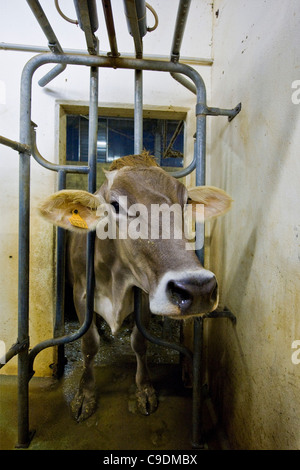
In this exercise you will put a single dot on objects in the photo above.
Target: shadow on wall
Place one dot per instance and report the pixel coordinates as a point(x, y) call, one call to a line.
point(227, 341)
point(252, 159)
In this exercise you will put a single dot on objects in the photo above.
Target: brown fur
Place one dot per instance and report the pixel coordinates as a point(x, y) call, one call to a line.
point(144, 159)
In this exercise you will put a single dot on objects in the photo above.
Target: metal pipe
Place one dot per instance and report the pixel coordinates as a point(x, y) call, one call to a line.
point(138, 112)
point(51, 75)
point(197, 415)
point(182, 14)
point(92, 159)
point(53, 42)
point(38, 12)
point(183, 81)
point(93, 130)
point(86, 11)
point(187, 170)
point(52, 166)
point(39, 49)
point(109, 20)
point(154, 339)
point(128, 63)
point(135, 11)
point(136, 23)
point(15, 145)
point(89, 312)
point(13, 351)
point(200, 156)
point(59, 324)
point(23, 261)
point(138, 147)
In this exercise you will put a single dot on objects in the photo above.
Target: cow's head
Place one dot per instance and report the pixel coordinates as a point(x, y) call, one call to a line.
point(131, 214)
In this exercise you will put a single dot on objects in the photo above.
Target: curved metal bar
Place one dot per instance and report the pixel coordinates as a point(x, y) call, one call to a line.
point(185, 171)
point(222, 314)
point(52, 166)
point(183, 81)
point(154, 339)
point(58, 69)
point(118, 62)
point(89, 311)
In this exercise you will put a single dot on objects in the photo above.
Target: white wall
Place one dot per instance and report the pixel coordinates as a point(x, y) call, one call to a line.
point(18, 25)
point(255, 248)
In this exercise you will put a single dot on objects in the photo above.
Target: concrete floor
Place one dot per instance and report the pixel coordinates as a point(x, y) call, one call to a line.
point(116, 424)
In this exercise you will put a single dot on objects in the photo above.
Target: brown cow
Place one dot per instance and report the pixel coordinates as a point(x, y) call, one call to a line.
point(167, 271)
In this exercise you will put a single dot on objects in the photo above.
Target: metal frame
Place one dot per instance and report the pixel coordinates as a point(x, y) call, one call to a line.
point(27, 147)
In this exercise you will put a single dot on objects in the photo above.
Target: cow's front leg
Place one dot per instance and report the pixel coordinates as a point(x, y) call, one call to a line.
point(146, 395)
point(84, 403)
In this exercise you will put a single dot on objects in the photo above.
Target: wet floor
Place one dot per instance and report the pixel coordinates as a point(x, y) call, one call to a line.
point(116, 424)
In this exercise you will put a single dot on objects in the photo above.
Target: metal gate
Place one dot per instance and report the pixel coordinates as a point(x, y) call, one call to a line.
point(27, 148)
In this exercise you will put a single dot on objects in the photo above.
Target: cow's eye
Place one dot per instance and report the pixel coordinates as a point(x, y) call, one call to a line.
point(116, 206)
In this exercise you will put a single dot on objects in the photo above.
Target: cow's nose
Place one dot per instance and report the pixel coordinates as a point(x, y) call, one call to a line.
point(194, 295)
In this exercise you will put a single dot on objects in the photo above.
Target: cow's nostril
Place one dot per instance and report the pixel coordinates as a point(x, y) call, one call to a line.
point(179, 295)
point(214, 293)
point(193, 295)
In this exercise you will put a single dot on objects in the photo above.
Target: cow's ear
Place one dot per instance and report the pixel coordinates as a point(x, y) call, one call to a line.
point(78, 211)
point(216, 201)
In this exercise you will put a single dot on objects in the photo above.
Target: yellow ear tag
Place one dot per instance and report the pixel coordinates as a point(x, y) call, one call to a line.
point(76, 220)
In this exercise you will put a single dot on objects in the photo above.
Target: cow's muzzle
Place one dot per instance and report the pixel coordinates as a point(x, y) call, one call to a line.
point(182, 294)
point(194, 295)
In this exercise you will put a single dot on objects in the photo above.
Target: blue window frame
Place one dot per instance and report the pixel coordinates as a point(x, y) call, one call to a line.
point(163, 138)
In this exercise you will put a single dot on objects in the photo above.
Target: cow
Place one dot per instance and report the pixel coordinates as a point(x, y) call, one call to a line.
point(172, 280)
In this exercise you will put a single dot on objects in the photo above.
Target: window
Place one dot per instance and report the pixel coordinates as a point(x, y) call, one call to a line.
point(163, 138)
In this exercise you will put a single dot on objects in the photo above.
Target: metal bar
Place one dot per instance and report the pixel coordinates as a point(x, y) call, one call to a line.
point(187, 170)
point(135, 23)
point(23, 269)
point(59, 325)
point(207, 111)
point(52, 166)
point(38, 12)
point(86, 11)
point(183, 81)
point(53, 42)
point(128, 63)
point(200, 157)
point(93, 123)
point(154, 339)
point(197, 426)
point(15, 145)
point(182, 14)
point(138, 147)
point(13, 351)
point(135, 11)
point(51, 75)
point(109, 20)
point(93, 130)
point(87, 14)
point(138, 112)
point(221, 314)
point(126, 55)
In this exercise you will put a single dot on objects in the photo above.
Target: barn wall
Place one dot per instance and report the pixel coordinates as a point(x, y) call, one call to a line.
point(18, 25)
point(254, 367)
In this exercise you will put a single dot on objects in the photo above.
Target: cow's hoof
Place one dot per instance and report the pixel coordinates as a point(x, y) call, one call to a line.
point(146, 400)
point(83, 407)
